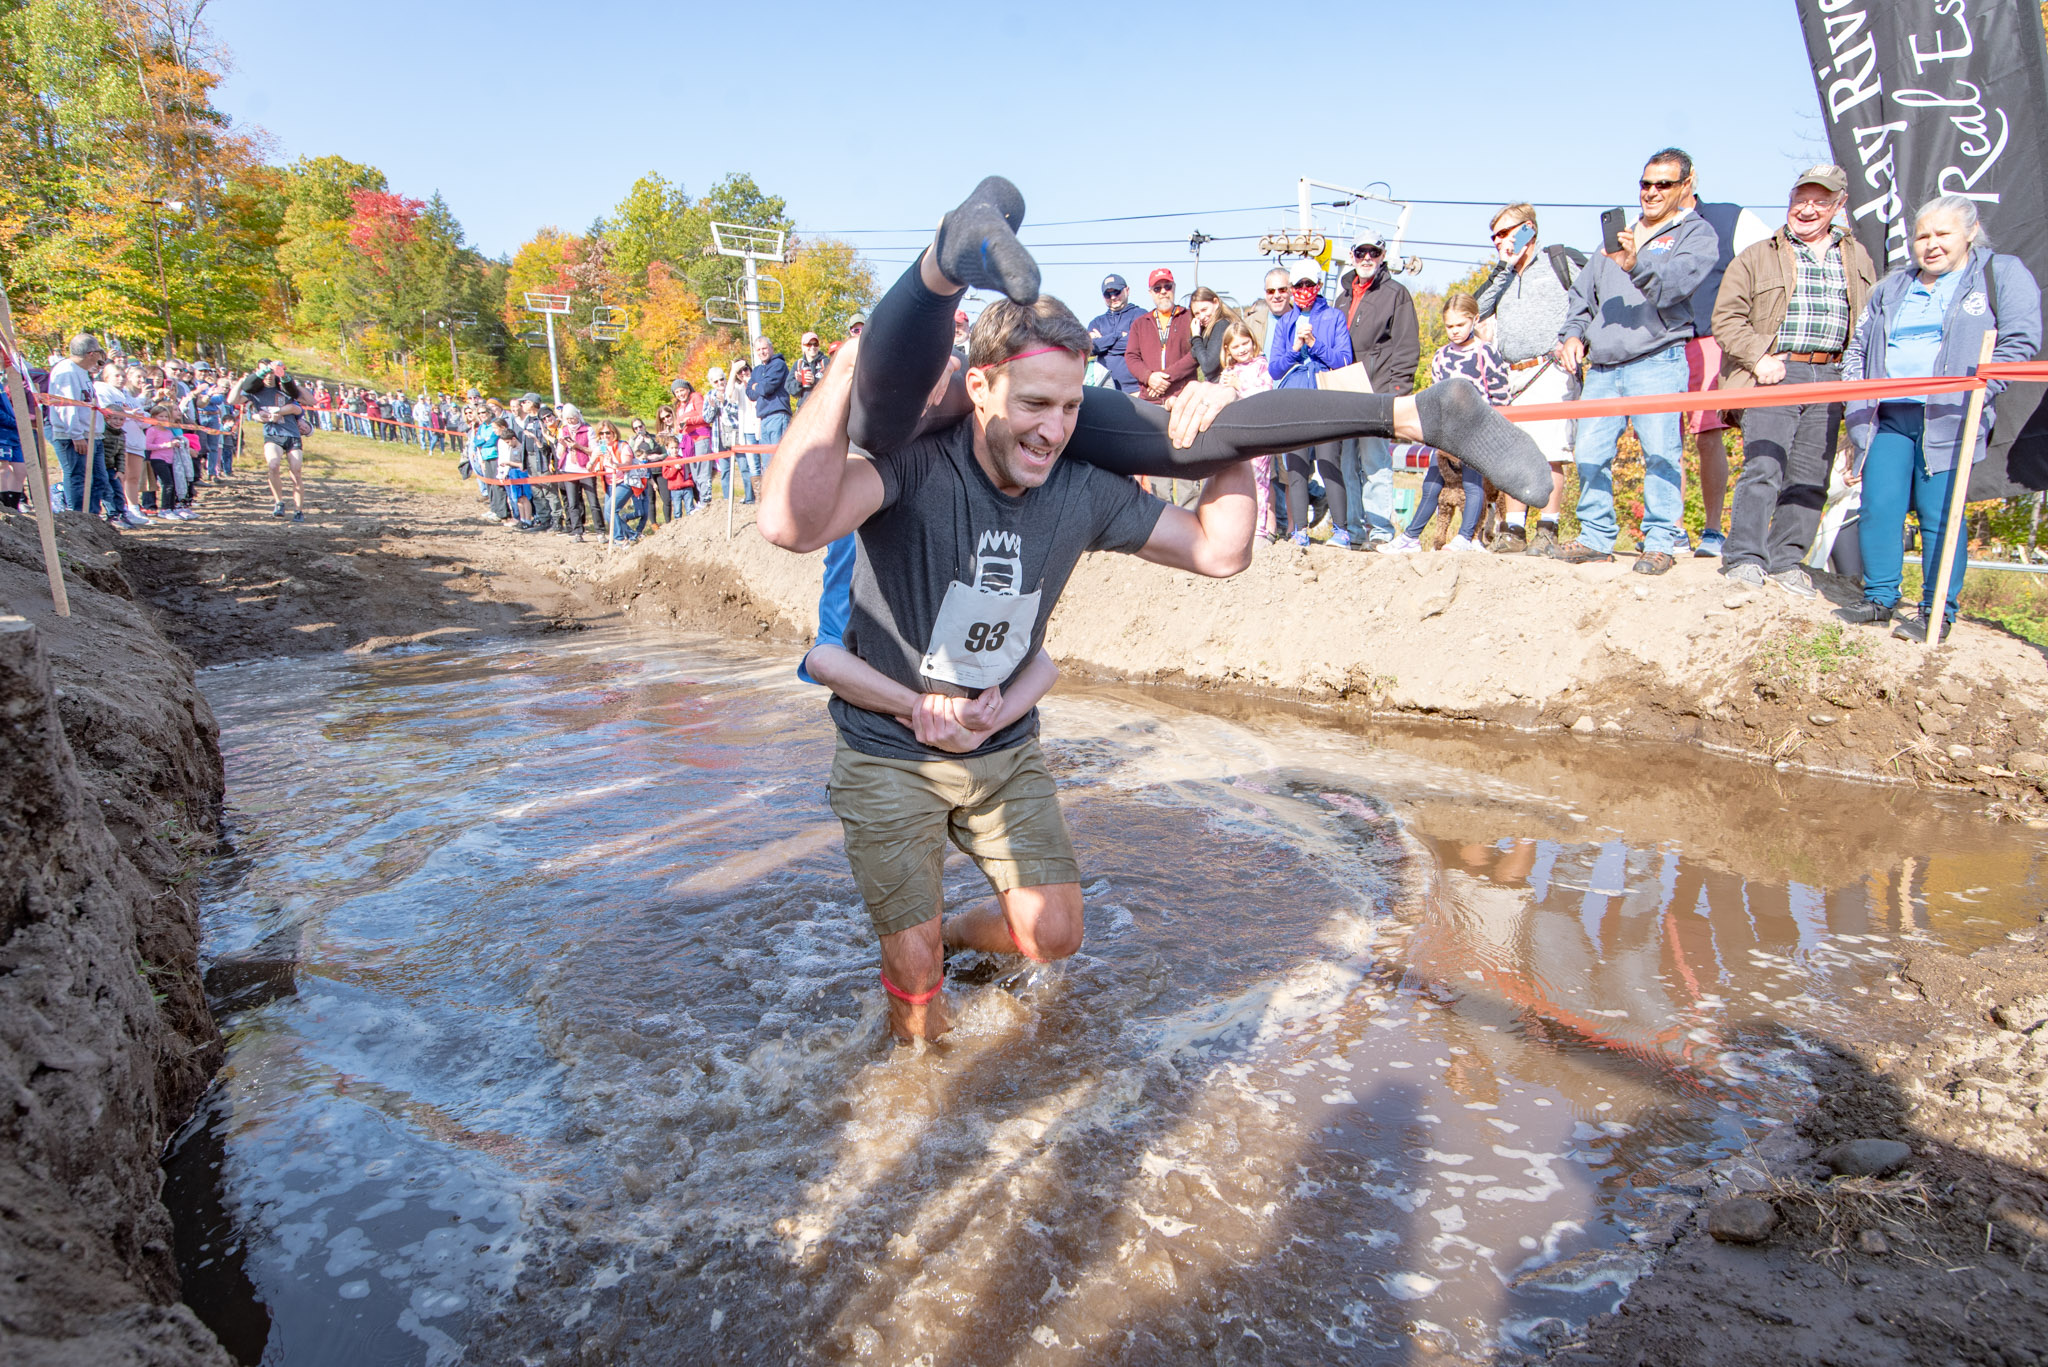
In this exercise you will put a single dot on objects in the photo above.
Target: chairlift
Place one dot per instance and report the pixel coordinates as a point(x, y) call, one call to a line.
point(765, 304)
point(723, 308)
point(537, 302)
point(535, 338)
point(743, 240)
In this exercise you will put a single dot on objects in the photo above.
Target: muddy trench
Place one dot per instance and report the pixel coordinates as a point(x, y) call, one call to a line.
point(550, 1031)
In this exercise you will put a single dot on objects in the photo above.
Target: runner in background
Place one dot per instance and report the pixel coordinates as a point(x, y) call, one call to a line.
point(274, 397)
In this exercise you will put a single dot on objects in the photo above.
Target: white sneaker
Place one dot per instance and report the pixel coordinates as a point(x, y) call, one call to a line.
point(132, 517)
point(1400, 545)
point(1464, 543)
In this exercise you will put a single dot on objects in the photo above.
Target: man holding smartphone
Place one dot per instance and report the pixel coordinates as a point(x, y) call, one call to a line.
point(1631, 315)
point(1527, 297)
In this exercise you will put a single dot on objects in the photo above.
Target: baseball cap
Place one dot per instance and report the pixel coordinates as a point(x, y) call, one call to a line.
point(85, 344)
point(1160, 276)
point(1113, 284)
point(1306, 269)
point(811, 337)
point(529, 397)
point(959, 318)
point(1368, 239)
point(1833, 179)
point(859, 320)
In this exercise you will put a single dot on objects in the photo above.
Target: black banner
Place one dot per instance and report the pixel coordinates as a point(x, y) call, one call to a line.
point(1932, 97)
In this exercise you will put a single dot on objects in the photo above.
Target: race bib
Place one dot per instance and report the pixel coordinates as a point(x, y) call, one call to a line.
point(980, 636)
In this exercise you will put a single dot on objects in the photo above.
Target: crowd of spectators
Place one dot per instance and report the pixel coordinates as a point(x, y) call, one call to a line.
point(1690, 295)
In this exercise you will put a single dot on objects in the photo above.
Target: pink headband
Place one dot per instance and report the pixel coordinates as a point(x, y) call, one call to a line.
point(1035, 351)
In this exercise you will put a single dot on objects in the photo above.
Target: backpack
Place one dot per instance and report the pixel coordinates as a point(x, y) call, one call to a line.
point(1566, 262)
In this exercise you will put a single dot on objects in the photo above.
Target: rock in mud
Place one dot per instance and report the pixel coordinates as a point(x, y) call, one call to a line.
point(2027, 762)
point(1742, 1220)
point(1870, 1242)
point(1584, 726)
point(1867, 1157)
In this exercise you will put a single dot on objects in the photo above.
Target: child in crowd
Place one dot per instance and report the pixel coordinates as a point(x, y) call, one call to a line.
point(510, 455)
point(1463, 357)
point(160, 442)
point(676, 471)
point(1245, 371)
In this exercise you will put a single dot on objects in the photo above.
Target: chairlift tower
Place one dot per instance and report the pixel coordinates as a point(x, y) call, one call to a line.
point(548, 306)
point(1356, 212)
point(752, 246)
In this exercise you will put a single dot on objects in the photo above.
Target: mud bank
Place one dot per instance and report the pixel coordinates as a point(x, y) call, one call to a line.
point(110, 787)
point(1531, 644)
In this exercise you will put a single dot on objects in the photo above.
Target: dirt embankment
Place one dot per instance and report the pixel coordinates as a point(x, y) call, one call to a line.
point(110, 789)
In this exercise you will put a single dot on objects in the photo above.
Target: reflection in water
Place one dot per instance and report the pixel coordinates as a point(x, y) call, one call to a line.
point(557, 1029)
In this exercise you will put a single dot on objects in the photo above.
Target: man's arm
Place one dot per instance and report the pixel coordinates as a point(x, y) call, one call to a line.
point(815, 491)
point(1215, 538)
point(1674, 275)
point(1740, 342)
point(1407, 330)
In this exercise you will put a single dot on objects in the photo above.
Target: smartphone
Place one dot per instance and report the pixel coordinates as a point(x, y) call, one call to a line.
point(1611, 225)
point(1524, 235)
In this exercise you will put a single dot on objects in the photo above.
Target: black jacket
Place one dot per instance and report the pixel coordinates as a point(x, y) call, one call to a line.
point(1208, 349)
point(1384, 332)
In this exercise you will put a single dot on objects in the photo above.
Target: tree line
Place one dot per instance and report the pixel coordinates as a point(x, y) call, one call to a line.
point(131, 206)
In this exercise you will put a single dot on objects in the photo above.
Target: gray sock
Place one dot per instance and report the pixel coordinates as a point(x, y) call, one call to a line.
point(1457, 419)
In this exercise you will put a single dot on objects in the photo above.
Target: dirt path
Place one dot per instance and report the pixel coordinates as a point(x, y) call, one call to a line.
point(1945, 1261)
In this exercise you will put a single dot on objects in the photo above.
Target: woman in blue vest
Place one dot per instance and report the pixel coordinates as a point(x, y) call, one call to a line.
point(1925, 319)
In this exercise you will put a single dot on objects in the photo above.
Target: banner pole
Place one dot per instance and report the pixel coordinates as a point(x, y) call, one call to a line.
point(731, 470)
point(1958, 499)
point(28, 425)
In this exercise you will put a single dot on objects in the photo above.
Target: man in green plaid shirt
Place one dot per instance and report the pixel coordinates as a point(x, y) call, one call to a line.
point(1786, 309)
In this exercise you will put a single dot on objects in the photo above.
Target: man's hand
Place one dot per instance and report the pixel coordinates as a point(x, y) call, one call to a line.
point(1845, 465)
point(1771, 369)
point(1570, 353)
point(1190, 412)
point(1626, 257)
point(937, 723)
point(1155, 384)
point(82, 445)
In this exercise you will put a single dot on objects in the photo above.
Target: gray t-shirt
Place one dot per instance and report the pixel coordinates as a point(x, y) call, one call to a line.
point(1528, 308)
point(943, 522)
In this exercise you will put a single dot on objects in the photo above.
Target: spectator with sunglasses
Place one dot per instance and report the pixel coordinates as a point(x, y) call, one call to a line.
point(1111, 332)
point(1387, 339)
point(1305, 341)
point(1631, 316)
point(1527, 299)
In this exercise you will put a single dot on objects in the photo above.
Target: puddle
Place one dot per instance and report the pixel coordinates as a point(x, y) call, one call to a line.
point(555, 1027)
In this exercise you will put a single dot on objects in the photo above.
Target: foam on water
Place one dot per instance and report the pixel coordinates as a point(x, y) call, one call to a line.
point(1367, 1044)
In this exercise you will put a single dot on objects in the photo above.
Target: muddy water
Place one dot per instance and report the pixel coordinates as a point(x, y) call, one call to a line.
point(555, 1033)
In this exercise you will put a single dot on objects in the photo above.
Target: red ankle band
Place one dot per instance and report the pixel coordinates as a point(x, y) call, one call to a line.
point(1011, 931)
point(914, 998)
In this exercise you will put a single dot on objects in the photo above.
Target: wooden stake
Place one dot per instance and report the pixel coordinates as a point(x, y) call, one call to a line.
point(731, 473)
point(28, 423)
point(1958, 498)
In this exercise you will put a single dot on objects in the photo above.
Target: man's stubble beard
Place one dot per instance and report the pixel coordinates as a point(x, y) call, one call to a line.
point(1002, 444)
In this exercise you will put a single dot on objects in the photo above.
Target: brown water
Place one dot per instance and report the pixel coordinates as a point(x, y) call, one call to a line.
point(557, 1038)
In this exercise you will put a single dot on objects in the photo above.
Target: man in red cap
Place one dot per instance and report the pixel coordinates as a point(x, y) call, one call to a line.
point(1161, 350)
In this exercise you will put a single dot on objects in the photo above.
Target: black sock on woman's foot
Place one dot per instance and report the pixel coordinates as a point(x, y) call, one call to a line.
point(977, 243)
point(1456, 418)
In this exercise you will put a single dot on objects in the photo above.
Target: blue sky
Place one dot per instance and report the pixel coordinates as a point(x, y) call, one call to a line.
point(881, 116)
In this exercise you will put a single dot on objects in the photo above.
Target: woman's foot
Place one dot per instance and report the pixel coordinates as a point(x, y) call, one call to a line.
point(977, 243)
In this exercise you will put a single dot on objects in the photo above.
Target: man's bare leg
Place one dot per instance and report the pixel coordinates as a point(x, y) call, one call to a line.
point(298, 481)
point(914, 961)
point(273, 457)
point(1042, 923)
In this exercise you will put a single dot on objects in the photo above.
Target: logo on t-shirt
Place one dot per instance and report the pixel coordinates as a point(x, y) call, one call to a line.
point(999, 562)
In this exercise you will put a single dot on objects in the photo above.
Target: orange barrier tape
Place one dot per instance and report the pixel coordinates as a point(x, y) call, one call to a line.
point(1776, 395)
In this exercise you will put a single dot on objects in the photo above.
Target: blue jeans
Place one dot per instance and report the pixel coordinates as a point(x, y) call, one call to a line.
point(623, 498)
point(773, 427)
point(682, 502)
point(1368, 465)
point(1895, 477)
point(1474, 485)
point(1661, 372)
point(77, 470)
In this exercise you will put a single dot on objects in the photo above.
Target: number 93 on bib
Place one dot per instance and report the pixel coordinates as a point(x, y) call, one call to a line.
point(980, 637)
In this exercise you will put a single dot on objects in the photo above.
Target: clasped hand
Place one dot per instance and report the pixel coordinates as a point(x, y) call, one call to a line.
point(957, 725)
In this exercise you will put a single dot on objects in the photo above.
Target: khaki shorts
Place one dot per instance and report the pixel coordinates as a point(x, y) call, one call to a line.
point(1000, 809)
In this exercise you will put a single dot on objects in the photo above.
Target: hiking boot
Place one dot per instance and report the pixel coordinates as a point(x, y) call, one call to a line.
point(1654, 562)
point(1915, 628)
point(1796, 582)
point(1544, 543)
point(1877, 614)
point(1508, 541)
point(1579, 553)
point(1748, 573)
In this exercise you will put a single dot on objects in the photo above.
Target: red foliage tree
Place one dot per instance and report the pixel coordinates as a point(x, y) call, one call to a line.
point(382, 223)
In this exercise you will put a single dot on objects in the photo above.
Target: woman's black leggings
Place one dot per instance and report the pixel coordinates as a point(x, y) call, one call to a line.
point(910, 334)
point(1298, 464)
point(577, 492)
